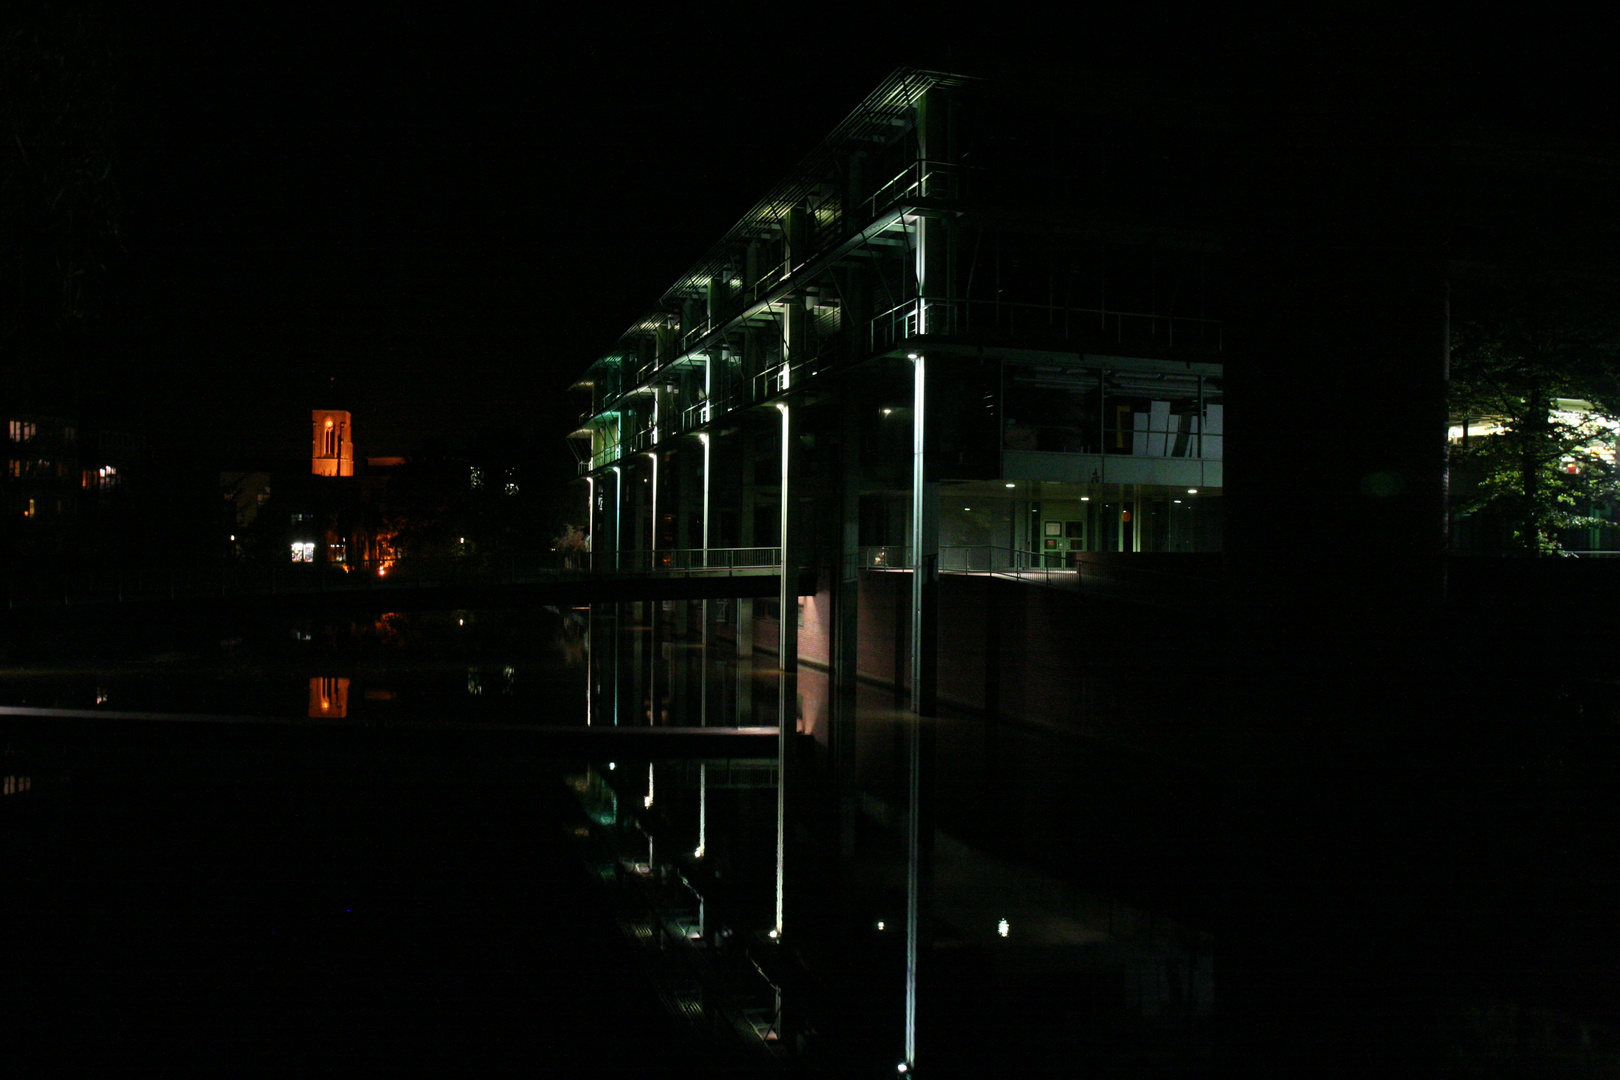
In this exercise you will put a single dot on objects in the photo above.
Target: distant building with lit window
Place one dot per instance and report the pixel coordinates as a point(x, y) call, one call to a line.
point(327, 515)
point(65, 491)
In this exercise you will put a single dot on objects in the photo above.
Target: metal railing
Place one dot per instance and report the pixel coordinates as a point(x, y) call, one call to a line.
point(1037, 322)
point(688, 560)
point(920, 179)
point(1065, 569)
point(209, 582)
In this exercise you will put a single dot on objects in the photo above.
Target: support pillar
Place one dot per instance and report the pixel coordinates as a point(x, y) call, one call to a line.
point(745, 605)
point(787, 645)
point(705, 619)
point(924, 615)
point(845, 658)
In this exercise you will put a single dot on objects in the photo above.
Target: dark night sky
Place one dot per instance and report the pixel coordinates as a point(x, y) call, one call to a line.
point(451, 218)
point(453, 214)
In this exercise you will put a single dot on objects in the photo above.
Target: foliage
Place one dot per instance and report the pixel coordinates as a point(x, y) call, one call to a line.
point(503, 495)
point(59, 206)
point(427, 504)
point(571, 540)
point(1536, 365)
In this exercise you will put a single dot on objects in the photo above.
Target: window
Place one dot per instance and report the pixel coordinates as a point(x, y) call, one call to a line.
point(303, 551)
point(22, 430)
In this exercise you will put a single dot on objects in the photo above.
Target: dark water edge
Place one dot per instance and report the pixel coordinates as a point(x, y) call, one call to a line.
point(400, 917)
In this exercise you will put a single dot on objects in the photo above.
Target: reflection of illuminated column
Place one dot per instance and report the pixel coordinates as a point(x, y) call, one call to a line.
point(639, 675)
point(703, 810)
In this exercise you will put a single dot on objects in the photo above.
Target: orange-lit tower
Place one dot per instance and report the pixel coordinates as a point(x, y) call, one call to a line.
point(332, 446)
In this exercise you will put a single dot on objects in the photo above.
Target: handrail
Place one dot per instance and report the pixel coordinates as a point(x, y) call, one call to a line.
point(204, 582)
point(959, 315)
point(1067, 569)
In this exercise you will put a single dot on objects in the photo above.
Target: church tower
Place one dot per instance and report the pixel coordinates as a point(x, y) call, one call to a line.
point(332, 447)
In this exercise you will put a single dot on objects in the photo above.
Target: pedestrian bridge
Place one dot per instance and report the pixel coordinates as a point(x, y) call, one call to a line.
point(116, 734)
point(408, 584)
point(580, 578)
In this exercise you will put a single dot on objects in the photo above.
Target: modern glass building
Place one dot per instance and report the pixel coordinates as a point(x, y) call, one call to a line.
point(979, 329)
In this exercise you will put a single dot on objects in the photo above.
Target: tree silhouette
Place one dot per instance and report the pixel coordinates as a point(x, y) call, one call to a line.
point(1536, 394)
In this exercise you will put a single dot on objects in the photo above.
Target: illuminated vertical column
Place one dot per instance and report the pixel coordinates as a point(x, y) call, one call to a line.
point(846, 619)
point(924, 551)
point(618, 609)
point(705, 631)
point(706, 416)
point(796, 236)
point(652, 544)
point(787, 654)
point(924, 601)
point(590, 520)
point(794, 319)
point(618, 513)
point(746, 537)
point(703, 810)
point(931, 262)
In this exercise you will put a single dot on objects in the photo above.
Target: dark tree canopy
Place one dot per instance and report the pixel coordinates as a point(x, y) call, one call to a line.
point(1536, 391)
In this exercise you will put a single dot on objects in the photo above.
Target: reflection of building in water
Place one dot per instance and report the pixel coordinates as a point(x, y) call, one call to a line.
point(329, 697)
point(952, 340)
